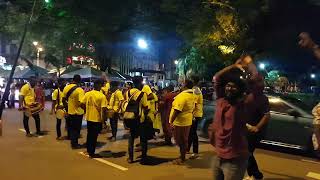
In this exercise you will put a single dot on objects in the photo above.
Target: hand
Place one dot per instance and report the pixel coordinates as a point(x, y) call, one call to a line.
point(20, 108)
point(253, 129)
point(306, 41)
point(171, 125)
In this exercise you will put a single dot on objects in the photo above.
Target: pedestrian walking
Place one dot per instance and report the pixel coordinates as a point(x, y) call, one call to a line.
point(29, 106)
point(135, 110)
point(197, 116)
point(257, 123)
point(95, 104)
point(181, 116)
point(58, 108)
point(228, 134)
point(114, 108)
point(72, 94)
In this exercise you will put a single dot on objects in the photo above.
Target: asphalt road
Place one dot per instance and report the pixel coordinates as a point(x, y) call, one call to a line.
point(45, 158)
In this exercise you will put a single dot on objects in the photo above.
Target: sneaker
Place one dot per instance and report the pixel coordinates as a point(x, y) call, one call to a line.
point(29, 135)
point(194, 156)
point(248, 178)
point(129, 160)
point(59, 138)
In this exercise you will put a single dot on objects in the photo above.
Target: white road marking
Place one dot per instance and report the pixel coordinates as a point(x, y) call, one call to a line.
point(22, 130)
point(313, 175)
point(107, 162)
point(310, 161)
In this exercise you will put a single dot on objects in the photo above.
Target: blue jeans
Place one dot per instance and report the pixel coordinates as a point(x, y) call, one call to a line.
point(229, 169)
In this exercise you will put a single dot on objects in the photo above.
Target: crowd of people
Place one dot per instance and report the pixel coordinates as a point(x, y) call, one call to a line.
point(240, 119)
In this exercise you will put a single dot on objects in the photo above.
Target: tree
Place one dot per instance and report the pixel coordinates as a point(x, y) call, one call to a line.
point(49, 58)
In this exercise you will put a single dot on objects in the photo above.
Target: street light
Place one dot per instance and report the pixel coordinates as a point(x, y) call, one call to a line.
point(39, 49)
point(142, 44)
point(35, 43)
point(313, 76)
point(262, 66)
point(176, 62)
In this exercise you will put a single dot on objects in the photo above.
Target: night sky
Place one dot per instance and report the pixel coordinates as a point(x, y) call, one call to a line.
point(277, 34)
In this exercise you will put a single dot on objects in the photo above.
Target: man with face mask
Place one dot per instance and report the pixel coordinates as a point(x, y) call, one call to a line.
point(229, 124)
point(27, 101)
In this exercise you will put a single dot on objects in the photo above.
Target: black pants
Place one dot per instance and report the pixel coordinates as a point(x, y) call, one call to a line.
point(68, 126)
point(92, 136)
point(136, 129)
point(253, 169)
point(114, 124)
point(74, 127)
point(193, 137)
point(36, 118)
point(58, 127)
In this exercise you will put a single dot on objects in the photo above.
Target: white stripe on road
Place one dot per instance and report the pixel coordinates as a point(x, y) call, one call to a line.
point(310, 161)
point(313, 175)
point(107, 162)
point(22, 130)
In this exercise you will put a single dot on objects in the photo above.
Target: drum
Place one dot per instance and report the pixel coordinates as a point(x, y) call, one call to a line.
point(34, 108)
point(60, 113)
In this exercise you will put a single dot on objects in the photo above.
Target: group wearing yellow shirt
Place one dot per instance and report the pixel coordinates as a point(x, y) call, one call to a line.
point(114, 105)
point(26, 101)
point(181, 116)
point(95, 103)
point(74, 110)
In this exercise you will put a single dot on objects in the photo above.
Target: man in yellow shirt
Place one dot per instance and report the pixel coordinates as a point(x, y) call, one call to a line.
point(57, 106)
point(95, 103)
point(72, 94)
point(114, 104)
point(197, 114)
point(137, 126)
point(27, 99)
point(181, 116)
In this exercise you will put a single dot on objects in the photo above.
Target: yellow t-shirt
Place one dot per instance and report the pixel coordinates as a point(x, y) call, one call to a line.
point(185, 103)
point(146, 89)
point(198, 110)
point(143, 101)
point(28, 94)
point(94, 101)
point(55, 96)
point(115, 100)
point(105, 89)
point(74, 100)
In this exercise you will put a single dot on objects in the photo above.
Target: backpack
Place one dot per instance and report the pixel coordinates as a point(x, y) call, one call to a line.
point(130, 107)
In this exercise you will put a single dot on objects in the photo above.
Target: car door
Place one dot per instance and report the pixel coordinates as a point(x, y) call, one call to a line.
point(286, 128)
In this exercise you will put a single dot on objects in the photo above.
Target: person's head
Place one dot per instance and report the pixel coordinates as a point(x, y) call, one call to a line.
point(114, 85)
point(234, 89)
point(137, 82)
point(76, 78)
point(195, 80)
point(188, 84)
point(98, 84)
point(32, 81)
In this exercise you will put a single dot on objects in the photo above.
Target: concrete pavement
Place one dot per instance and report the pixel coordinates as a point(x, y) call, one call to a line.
point(46, 158)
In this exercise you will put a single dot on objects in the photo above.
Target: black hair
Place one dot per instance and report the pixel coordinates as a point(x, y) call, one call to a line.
point(137, 81)
point(77, 78)
point(170, 88)
point(188, 84)
point(195, 79)
point(240, 83)
point(114, 83)
point(98, 84)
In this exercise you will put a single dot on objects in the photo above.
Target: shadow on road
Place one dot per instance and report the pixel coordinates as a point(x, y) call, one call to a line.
point(278, 174)
point(153, 161)
point(110, 154)
point(203, 162)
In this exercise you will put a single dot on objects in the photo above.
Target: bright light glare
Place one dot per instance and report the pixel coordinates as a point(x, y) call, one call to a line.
point(274, 100)
point(176, 62)
point(313, 76)
point(226, 49)
point(262, 66)
point(47, 1)
point(40, 49)
point(35, 43)
point(142, 44)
